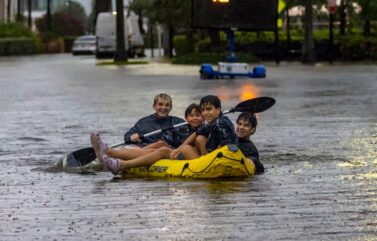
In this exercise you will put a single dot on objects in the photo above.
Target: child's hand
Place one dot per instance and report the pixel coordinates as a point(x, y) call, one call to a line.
point(174, 154)
point(135, 137)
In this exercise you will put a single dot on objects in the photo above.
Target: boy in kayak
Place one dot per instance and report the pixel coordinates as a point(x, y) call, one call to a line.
point(162, 105)
point(246, 125)
point(135, 157)
point(217, 132)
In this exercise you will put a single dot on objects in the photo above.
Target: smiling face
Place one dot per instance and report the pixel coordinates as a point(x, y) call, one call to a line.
point(162, 107)
point(210, 112)
point(244, 129)
point(194, 118)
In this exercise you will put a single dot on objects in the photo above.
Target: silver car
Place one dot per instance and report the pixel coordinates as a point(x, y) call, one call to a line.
point(85, 44)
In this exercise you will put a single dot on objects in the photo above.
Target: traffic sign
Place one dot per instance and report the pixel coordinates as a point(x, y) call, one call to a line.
point(331, 6)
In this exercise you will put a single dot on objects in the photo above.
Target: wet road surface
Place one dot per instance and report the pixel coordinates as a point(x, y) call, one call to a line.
point(318, 144)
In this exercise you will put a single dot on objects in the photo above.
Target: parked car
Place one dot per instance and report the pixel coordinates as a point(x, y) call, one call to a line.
point(85, 44)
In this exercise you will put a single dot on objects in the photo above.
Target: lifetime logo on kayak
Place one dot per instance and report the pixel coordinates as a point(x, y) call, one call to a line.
point(159, 169)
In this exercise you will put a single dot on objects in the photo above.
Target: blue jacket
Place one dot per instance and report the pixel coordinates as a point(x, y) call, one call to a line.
point(220, 132)
point(152, 123)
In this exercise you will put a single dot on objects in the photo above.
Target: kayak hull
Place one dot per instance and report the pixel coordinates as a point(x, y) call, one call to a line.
point(227, 161)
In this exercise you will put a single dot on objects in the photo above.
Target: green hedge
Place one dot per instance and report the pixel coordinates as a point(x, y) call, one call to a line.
point(68, 43)
point(17, 39)
point(14, 30)
point(212, 58)
point(183, 45)
point(358, 48)
point(16, 46)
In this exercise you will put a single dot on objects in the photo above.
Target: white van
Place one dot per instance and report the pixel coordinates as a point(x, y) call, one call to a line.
point(106, 35)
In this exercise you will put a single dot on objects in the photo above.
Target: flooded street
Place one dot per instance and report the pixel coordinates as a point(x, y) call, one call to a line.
point(318, 144)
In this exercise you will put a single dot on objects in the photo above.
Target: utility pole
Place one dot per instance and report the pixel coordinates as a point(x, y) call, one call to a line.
point(120, 53)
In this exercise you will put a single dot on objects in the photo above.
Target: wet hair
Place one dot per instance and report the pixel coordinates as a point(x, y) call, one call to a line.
point(162, 96)
point(210, 99)
point(192, 107)
point(249, 118)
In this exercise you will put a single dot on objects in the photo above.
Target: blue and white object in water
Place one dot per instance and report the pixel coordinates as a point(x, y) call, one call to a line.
point(231, 70)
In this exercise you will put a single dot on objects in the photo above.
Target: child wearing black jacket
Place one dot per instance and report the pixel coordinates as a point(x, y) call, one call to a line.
point(245, 127)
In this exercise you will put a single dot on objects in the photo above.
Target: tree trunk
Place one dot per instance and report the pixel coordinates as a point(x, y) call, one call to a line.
point(309, 51)
point(49, 15)
point(288, 28)
point(29, 19)
point(120, 53)
point(19, 18)
point(140, 21)
point(9, 11)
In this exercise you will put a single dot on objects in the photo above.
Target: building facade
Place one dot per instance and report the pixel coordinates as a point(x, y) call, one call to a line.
point(8, 11)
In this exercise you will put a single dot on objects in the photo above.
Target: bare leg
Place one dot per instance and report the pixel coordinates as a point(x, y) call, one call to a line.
point(156, 145)
point(147, 159)
point(189, 152)
point(128, 153)
point(200, 143)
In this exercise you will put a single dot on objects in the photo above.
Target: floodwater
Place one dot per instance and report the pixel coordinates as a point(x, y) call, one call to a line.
point(318, 144)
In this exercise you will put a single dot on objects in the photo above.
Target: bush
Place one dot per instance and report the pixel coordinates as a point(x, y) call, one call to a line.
point(62, 24)
point(68, 43)
point(182, 45)
point(357, 48)
point(55, 45)
point(17, 39)
point(14, 30)
point(212, 58)
point(16, 46)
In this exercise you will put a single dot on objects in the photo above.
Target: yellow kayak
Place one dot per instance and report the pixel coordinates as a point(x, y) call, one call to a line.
point(227, 161)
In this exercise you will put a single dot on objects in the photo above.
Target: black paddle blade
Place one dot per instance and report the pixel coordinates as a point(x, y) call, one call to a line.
point(255, 105)
point(81, 157)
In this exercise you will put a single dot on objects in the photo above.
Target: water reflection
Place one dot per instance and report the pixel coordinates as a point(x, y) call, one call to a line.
point(249, 91)
point(244, 92)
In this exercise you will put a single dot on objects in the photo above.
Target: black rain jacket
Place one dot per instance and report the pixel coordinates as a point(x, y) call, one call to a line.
point(250, 151)
point(152, 123)
point(220, 132)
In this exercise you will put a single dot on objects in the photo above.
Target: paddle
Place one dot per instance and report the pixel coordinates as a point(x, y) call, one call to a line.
point(86, 155)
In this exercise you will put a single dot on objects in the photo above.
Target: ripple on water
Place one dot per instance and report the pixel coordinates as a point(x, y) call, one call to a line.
point(29, 138)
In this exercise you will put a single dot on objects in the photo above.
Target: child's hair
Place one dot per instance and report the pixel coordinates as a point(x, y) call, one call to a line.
point(192, 107)
point(212, 100)
point(249, 118)
point(162, 96)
